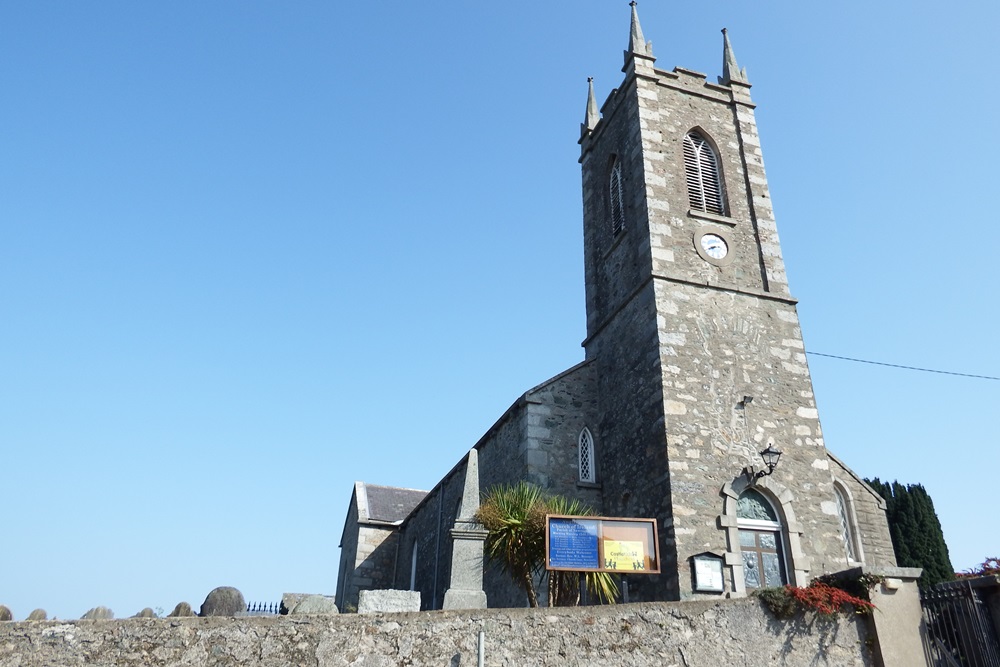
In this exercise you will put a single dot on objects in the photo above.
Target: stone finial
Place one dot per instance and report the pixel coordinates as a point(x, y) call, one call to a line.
point(98, 614)
point(5, 614)
point(730, 69)
point(593, 115)
point(38, 615)
point(636, 42)
point(146, 613)
point(223, 601)
point(182, 609)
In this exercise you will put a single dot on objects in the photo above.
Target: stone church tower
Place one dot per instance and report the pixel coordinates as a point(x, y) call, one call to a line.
point(694, 364)
point(695, 337)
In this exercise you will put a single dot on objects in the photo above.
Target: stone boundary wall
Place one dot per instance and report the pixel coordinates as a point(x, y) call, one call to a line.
point(735, 633)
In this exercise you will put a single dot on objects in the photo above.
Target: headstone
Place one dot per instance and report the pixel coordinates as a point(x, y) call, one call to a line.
point(38, 615)
point(98, 614)
point(223, 601)
point(375, 602)
point(146, 613)
point(289, 600)
point(5, 614)
point(182, 609)
point(316, 604)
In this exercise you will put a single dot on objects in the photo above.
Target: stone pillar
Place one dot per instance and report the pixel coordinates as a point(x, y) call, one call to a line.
point(466, 588)
point(897, 622)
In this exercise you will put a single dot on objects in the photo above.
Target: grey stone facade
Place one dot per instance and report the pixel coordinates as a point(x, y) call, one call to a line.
point(694, 362)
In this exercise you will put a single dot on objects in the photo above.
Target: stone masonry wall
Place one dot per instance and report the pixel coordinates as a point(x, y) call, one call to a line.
point(429, 526)
point(558, 410)
point(736, 633)
point(869, 518)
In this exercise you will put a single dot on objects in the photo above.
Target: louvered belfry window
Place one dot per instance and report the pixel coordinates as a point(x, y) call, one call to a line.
point(617, 197)
point(701, 166)
point(587, 473)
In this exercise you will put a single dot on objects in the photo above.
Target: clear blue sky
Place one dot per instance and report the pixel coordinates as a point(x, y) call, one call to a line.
point(251, 252)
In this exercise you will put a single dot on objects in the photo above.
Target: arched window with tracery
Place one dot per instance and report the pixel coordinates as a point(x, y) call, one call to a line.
point(847, 533)
point(760, 541)
point(704, 179)
point(588, 472)
point(616, 197)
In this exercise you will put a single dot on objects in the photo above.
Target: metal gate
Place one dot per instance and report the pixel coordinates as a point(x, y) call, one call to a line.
point(960, 630)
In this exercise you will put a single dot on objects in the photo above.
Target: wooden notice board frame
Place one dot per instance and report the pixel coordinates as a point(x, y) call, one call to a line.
point(620, 545)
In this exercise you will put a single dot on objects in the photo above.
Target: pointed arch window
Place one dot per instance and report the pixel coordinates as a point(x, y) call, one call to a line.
point(760, 541)
point(413, 567)
point(847, 533)
point(616, 197)
point(588, 472)
point(704, 181)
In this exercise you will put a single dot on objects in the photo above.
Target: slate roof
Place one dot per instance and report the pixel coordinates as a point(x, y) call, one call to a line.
point(390, 503)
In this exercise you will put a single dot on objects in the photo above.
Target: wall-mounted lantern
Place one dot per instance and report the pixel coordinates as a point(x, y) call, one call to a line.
point(771, 457)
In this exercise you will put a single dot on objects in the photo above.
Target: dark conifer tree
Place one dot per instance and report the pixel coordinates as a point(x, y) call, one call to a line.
point(916, 531)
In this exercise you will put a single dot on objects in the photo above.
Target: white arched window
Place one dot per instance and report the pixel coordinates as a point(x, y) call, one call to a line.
point(616, 197)
point(847, 533)
point(586, 454)
point(704, 182)
point(760, 541)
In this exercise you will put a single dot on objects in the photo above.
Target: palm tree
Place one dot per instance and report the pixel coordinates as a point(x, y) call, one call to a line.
point(516, 540)
point(514, 517)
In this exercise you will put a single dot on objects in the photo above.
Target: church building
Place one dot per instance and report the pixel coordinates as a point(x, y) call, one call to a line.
point(694, 363)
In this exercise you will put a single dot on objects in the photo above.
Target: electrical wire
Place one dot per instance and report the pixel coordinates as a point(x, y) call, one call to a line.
point(909, 368)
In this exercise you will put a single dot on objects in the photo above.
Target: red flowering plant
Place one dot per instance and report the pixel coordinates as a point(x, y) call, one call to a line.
point(819, 596)
point(990, 566)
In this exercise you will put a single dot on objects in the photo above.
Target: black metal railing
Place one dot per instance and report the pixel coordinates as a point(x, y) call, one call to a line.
point(263, 608)
point(960, 630)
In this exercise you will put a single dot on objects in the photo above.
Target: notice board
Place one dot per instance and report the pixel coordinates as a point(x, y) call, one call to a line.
point(601, 544)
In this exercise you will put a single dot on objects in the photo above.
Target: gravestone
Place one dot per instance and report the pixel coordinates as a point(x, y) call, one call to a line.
point(376, 602)
point(182, 609)
point(316, 604)
point(98, 614)
point(38, 615)
point(223, 601)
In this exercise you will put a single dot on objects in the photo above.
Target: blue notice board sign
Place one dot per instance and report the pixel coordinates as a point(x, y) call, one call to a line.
point(573, 543)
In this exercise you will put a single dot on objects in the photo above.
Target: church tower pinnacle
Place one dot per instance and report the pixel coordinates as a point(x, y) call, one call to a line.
point(592, 117)
point(730, 69)
point(637, 44)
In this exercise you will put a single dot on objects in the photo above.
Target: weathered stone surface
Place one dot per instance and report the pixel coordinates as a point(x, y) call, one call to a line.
point(98, 614)
point(38, 615)
point(374, 602)
point(316, 604)
point(146, 613)
point(223, 601)
point(182, 609)
point(740, 633)
point(5, 614)
point(289, 600)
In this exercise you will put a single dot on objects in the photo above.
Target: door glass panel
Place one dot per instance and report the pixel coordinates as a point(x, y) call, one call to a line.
point(772, 570)
point(747, 539)
point(767, 541)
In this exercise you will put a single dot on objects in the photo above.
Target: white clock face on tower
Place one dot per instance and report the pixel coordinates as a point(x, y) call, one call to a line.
point(714, 246)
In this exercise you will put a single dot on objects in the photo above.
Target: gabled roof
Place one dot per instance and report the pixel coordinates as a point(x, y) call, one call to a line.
point(390, 504)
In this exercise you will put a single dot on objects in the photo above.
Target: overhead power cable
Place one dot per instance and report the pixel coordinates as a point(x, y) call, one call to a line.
point(909, 368)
